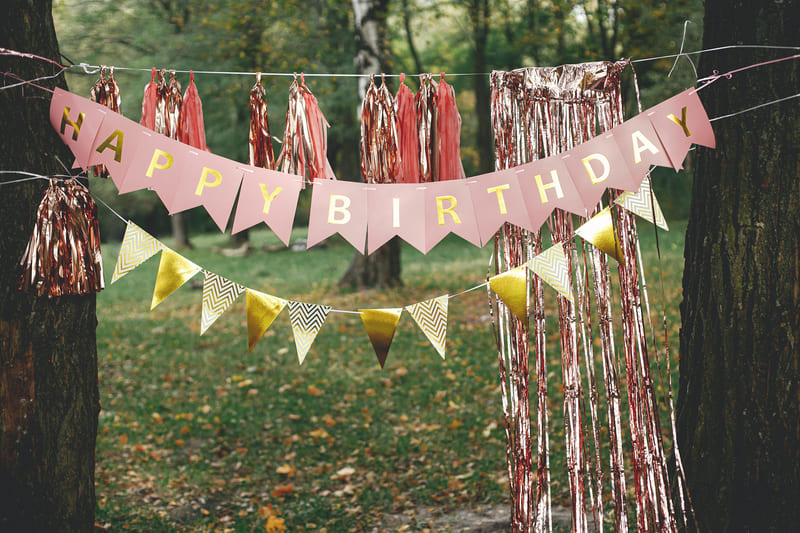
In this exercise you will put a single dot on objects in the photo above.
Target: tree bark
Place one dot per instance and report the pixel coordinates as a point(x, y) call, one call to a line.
point(739, 402)
point(479, 17)
point(48, 354)
point(383, 267)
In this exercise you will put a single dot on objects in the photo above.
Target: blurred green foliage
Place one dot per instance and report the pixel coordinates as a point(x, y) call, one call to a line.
point(317, 37)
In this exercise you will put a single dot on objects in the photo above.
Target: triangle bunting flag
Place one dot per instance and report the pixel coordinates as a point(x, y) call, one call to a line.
point(307, 319)
point(218, 294)
point(599, 230)
point(381, 325)
point(639, 204)
point(173, 271)
point(512, 287)
point(431, 317)
point(137, 247)
point(262, 310)
point(551, 265)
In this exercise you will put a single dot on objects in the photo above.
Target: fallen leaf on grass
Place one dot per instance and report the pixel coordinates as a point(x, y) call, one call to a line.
point(286, 470)
point(282, 490)
point(314, 391)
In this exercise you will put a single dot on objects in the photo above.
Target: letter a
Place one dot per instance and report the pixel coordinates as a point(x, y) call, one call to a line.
point(114, 142)
point(640, 144)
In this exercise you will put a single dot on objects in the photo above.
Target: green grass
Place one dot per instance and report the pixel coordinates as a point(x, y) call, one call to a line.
point(197, 433)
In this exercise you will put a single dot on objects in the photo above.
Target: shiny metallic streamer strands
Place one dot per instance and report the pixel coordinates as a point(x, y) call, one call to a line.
point(261, 154)
point(63, 254)
point(426, 122)
point(380, 151)
point(105, 92)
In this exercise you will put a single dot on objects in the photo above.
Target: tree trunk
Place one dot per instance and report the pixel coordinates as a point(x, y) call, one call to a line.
point(48, 353)
point(180, 232)
point(479, 15)
point(739, 401)
point(381, 268)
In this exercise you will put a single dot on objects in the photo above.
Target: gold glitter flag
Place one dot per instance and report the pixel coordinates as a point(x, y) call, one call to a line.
point(599, 230)
point(262, 310)
point(173, 271)
point(512, 287)
point(381, 325)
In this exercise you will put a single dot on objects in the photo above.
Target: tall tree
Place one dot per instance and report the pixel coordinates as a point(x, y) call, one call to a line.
point(739, 403)
point(479, 11)
point(381, 268)
point(48, 353)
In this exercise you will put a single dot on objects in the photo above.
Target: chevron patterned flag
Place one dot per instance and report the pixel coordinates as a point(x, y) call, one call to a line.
point(307, 319)
point(551, 265)
point(638, 203)
point(173, 271)
point(218, 294)
point(431, 317)
point(137, 247)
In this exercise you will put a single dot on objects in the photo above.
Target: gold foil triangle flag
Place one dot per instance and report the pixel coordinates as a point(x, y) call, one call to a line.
point(639, 203)
point(512, 287)
point(431, 317)
point(307, 319)
point(551, 265)
point(137, 247)
point(599, 230)
point(218, 294)
point(173, 271)
point(381, 325)
point(262, 310)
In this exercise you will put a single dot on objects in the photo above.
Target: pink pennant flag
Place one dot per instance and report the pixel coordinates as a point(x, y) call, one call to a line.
point(546, 185)
point(158, 165)
point(640, 147)
point(679, 122)
point(496, 199)
point(395, 209)
point(595, 165)
point(76, 120)
point(211, 181)
point(448, 208)
point(270, 197)
point(115, 145)
point(338, 207)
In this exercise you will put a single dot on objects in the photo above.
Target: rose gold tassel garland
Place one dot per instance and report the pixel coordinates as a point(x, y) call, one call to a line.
point(105, 92)
point(448, 134)
point(193, 131)
point(380, 160)
point(261, 154)
point(407, 134)
point(63, 254)
point(425, 101)
point(305, 140)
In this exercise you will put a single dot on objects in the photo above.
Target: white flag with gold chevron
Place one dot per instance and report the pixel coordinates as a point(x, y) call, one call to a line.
point(551, 265)
point(307, 319)
point(218, 294)
point(431, 317)
point(639, 204)
point(137, 247)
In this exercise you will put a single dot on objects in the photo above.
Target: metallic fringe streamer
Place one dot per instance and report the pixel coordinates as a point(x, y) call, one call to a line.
point(380, 153)
point(105, 92)
point(305, 140)
point(261, 154)
point(63, 254)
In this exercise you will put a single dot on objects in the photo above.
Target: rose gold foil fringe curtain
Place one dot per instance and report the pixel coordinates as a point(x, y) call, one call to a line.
point(536, 113)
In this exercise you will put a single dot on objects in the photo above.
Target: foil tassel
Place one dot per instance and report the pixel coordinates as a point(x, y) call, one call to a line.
point(150, 102)
point(193, 131)
point(407, 133)
point(261, 154)
point(63, 254)
point(448, 134)
point(380, 162)
point(425, 101)
point(173, 108)
point(105, 92)
point(305, 139)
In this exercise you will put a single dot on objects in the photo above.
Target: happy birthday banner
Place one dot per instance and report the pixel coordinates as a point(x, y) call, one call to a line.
point(369, 215)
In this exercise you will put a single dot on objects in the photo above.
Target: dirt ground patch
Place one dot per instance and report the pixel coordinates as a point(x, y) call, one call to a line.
point(488, 519)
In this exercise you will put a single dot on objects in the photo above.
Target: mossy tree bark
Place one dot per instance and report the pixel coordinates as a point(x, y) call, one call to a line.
point(739, 400)
point(48, 353)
